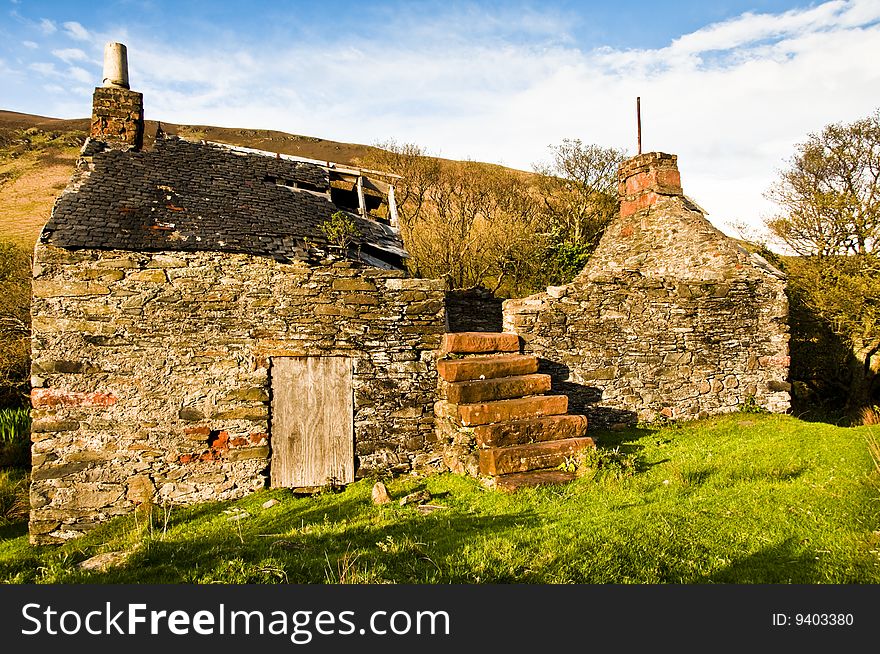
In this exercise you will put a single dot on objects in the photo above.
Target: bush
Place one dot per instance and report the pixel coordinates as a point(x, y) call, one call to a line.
point(14, 504)
point(750, 405)
point(340, 230)
point(565, 259)
point(15, 430)
point(603, 464)
point(15, 306)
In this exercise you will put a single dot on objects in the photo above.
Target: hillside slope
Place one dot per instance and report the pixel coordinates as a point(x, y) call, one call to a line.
point(38, 154)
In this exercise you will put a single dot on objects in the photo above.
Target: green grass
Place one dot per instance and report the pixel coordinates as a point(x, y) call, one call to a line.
point(15, 425)
point(15, 438)
point(739, 499)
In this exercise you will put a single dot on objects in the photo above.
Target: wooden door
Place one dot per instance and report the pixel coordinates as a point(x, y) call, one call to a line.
point(312, 428)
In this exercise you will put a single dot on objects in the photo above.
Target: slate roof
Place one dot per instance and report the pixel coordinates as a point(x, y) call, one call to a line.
point(186, 196)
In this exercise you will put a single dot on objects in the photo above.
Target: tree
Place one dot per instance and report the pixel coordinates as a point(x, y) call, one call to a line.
point(468, 222)
point(579, 192)
point(419, 173)
point(511, 231)
point(830, 201)
point(830, 192)
point(15, 303)
point(840, 294)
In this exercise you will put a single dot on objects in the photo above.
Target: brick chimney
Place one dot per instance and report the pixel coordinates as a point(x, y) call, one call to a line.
point(645, 179)
point(117, 111)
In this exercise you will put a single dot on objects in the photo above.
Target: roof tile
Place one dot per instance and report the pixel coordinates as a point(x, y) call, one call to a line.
point(185, 196)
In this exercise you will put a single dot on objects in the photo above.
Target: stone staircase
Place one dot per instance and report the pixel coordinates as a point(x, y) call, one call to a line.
point(496, 418)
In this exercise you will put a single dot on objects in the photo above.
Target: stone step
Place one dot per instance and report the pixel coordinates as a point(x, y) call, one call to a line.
point(522, 408)
point(502, 388)
point(534, 430)
point(480, 342)
point(454, 370)
point(535, 456)
point(515, 480)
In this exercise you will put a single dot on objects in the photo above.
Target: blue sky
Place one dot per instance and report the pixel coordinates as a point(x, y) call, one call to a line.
point(728, 86)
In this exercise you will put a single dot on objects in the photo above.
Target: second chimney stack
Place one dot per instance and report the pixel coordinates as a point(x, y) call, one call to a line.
point(644, 179)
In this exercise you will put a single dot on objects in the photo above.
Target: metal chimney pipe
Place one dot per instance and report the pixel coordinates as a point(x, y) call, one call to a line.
point(115, 66)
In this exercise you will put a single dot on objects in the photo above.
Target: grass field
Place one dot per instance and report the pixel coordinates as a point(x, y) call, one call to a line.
point(740, 499)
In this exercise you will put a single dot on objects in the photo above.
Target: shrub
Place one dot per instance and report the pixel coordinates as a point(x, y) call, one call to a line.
point(340, 230)
point(14, 504)
point(15, 301)
point(870, 415)
point(15, 427)
point(750, 405)
point(603, 464)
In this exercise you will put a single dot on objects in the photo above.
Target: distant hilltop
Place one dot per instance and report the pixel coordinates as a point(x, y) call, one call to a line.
point(262, 139)
point(38, 155)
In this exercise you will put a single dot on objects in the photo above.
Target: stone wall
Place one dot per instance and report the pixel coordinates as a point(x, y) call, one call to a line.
point(630, 349)
point(151, 373)
point(473, 310)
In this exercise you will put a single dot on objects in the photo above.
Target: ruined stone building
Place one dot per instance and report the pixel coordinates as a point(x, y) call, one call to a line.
point(669, 319)
point(184, 293)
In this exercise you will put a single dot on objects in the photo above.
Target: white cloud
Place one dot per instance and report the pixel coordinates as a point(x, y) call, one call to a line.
point(44, 68)
point(30, 45)
point(9, 77)
point(750, 28)
point(47, 26)
point(80, 74)
point(69, 55)
point(76, 31)
point(731, 99)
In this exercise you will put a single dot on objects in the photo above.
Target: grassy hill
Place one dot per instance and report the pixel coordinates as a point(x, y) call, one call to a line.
point(38, 154)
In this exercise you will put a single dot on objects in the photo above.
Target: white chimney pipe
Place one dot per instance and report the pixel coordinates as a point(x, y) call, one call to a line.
point(115, 66)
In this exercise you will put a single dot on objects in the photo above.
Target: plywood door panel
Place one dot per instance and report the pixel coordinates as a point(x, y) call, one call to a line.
point(312, 430)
